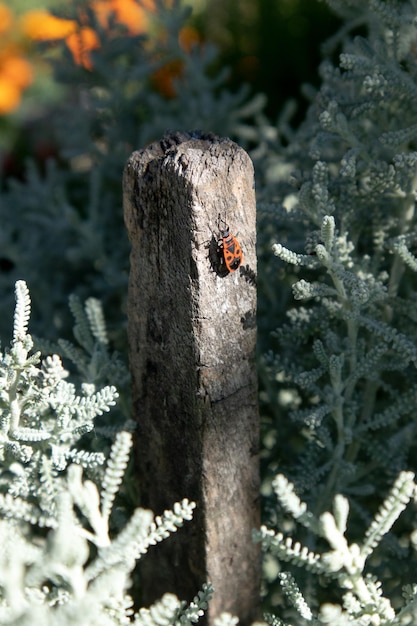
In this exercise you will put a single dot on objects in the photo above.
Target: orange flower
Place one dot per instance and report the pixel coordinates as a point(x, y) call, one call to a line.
point(39, 25)
point(9, 96)
point(131, 15)
point(42, 26)
point(15, 74)
point(126, 12)
point(17, 71)
point(163, 78)
point(188, 37)
point(81, 43)
point(6, 19)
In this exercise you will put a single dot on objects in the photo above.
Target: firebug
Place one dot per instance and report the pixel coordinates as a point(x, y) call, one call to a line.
point(231, 249)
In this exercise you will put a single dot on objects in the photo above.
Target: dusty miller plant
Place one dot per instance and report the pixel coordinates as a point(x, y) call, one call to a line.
point(343, 366)
point(62, 561)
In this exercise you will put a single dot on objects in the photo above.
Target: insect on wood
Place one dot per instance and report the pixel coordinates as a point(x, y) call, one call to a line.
point(230, 248)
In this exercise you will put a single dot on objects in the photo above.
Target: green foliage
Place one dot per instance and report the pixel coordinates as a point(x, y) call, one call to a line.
point(61, 561)
point(341, 368)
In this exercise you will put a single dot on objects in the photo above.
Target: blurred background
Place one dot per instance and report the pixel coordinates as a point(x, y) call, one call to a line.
point(271, 45)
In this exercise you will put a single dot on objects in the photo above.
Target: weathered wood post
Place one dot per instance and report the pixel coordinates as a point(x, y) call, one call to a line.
point(192, 334)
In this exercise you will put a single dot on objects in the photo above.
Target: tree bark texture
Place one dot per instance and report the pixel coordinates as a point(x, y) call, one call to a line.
point(192, 336)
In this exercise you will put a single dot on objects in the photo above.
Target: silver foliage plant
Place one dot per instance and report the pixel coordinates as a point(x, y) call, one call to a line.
point(60, 561)
point(345, 563)
point(343, 367)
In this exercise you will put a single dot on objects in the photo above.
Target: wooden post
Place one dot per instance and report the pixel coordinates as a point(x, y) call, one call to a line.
point(192, 335)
